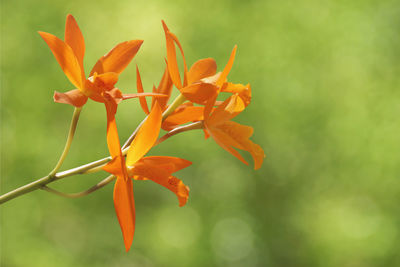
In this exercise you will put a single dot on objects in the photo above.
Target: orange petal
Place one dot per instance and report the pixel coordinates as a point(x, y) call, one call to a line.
point(169, 164)
point(125, 208)
point(139, 86)
point(143, 171)
point(201, 69)
point(244, 91)
point(237, 135)
point(229, 109)
point(112, 133)
point(165, 87)
point(118, 58)
point(182, 116)
point(227, 68)
point(74, 97)
point(65, 57)
point(74, 38)
point(146, 136)
point(171, 39)
point(129, 96)
point(199, 93)
point(222, 140)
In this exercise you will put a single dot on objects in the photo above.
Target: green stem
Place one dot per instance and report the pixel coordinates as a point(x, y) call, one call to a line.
point(53, 176)
point(71, 133)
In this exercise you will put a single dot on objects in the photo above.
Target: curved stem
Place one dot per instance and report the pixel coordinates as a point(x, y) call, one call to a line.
point(92, 189)
point(71, 133)
point(181, 129)
point(90, 167)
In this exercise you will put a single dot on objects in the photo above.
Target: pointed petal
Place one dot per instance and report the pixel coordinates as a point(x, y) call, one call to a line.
point(125, 209)
point(229, 109)
point(201, 69)
point(65, 57)
point(74, 38)
point(74, 97)
point(139, 86)
point(146, 137)
point(171, 39)
point(112, 133)
point(227, 68)
point(170, 164)
point(118, 58)
point(165, 87)
point(129, 96)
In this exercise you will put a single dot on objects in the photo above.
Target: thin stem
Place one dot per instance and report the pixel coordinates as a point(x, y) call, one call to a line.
point(71, 133)
point(92, 189)
point(181, 129)
point(185, 128)
point(84, 168)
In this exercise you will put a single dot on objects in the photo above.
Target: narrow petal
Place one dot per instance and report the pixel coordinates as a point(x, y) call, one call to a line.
point(156, 95)
point(112, 133)
point(139, 86)
point(227, 68)
point(229, 109)
point(201, 69)
point(164, 87)
point(74, 97)
point(124, 205)
point(146, 136)
point(171, 39)
point(170, 164)
point(74, 38)
point(65, 57)
point(118, 58)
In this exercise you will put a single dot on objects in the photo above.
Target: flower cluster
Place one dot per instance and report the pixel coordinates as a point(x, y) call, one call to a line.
point(199, 106)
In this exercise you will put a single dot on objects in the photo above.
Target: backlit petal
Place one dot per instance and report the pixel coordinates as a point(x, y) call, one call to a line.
point(227, 68)
point(118, 58)
point(201, 69)
point(200, 92)
point(229, 109)
point(183, 115)
point(74, 97)
point(65, 57)
point(125, 209)
point(164, 87)
point(74, 38)
point(139, 87)
point(244, 91)
point(171, 39)
point(152, 172)
point(146, 137)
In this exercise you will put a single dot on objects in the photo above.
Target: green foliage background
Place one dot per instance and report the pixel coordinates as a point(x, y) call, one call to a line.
point(326, 104)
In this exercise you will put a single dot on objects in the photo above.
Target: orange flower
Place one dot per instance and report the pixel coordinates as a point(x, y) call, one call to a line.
point(157, 169)
point(100, 86)
point(202, 85)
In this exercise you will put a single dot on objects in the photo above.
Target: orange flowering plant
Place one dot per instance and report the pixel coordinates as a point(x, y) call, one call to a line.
point(196, 107)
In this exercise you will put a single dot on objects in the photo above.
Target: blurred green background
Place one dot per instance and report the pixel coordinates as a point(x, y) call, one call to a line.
point(326, 99)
